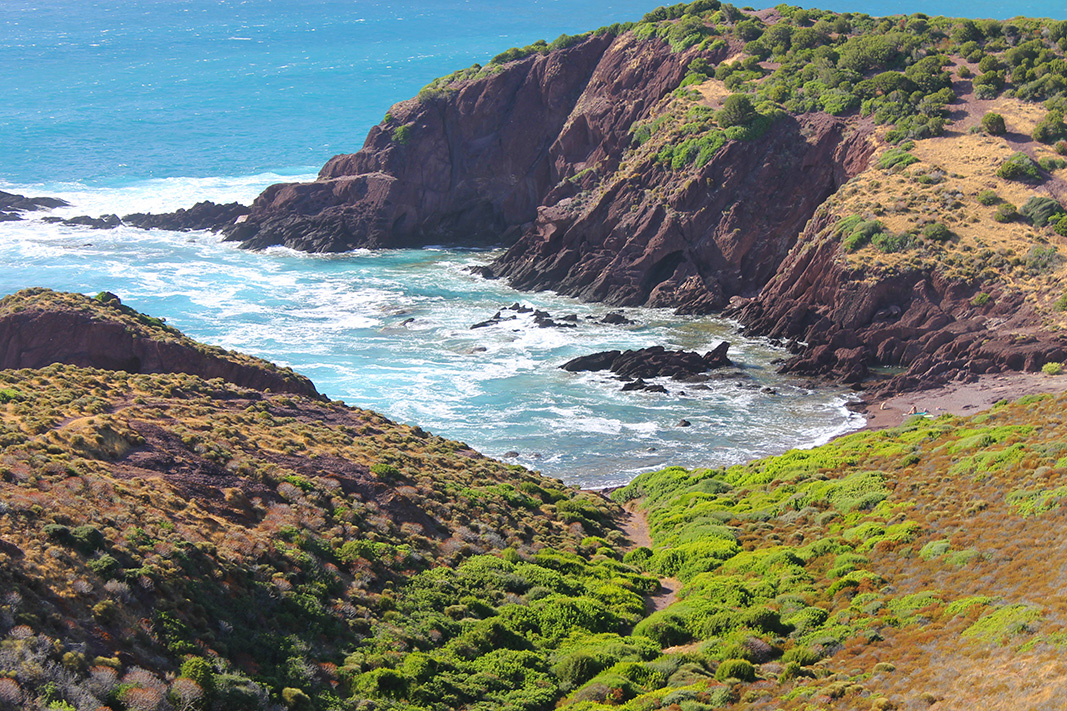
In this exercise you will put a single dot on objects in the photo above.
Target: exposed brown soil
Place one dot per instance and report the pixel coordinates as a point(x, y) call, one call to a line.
point(957, 398)
point(635, 526)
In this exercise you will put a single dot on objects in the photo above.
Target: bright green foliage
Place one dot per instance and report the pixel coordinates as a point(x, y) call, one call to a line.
point(736, 669)
point(896, 158)
point(988, 197)
point(999, 626)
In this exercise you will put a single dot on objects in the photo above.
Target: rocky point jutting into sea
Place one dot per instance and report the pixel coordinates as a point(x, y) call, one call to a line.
point(566, 156)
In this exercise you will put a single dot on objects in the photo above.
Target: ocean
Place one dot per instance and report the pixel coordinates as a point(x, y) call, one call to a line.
point(149, 105)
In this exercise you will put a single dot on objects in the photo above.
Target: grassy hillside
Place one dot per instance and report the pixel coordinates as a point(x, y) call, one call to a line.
point(171, 542)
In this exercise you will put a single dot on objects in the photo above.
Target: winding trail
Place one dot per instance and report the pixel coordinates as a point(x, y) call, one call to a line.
point(635, 526)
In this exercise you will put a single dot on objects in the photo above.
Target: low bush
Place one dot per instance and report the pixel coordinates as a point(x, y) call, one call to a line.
point(1006, 212)
point(1042, 259)
point(993, 124)
point(896, 158)
point(937, 232)
point(741, 669)
point(1020, 167)
point(1052, 368)
point(988, 197)
point(1040, 210)
point(889, 243)
point(981, 299)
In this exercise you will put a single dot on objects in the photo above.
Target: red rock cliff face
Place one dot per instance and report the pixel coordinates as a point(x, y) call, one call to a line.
point(473, 164)
point(690, 240)
point(37, 338)
point(915, 319)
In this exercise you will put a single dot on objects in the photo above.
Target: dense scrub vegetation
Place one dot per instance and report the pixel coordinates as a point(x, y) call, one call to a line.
point(170, 542)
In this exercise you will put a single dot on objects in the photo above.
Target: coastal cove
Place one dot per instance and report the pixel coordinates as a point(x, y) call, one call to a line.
point(343, 321)
point(710, 361)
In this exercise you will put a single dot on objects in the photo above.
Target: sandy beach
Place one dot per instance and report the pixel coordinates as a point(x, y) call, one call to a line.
point(961, 398)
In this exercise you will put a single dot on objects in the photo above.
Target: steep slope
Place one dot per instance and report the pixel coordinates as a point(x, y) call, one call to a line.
point(170, 542)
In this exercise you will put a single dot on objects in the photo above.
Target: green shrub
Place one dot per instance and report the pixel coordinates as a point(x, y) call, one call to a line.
point(937, 232)
point(736, 669)
point(1059, 225)
point(988, 197)
point(737, 110)
point(105, 566)
point(666, 630)
point(1061, 303)
point(993, 124)
point(888, 243)
point(1052, 368)
point(1051, 128)
point(199, 670)
point(981, 299)
point(1006, 212)
point(896, 158)
point(861, 234)
point(1039, 210)
point(934, 549)
point(1061, 148)
point(802, 656)
point(402, 134)
point(1042, 259)
point(1019, 167)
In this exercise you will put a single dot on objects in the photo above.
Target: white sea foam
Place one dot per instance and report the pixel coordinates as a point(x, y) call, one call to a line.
point(155, 195)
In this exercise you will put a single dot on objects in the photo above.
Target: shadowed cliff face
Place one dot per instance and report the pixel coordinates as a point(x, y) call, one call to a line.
point(686, 240)
point(914, 318)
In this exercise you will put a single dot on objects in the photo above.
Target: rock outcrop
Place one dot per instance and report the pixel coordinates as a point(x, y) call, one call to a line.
point(204, 215)
point(39, 327)
point(12, 205)
point(691, 242)
point(653, 362)
point(472, 163)
point(913, 319)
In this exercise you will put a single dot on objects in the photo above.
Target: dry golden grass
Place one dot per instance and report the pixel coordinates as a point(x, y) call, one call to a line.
point(956, 167)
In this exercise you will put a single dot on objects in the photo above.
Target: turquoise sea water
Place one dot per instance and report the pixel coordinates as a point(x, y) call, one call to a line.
point(149, 105)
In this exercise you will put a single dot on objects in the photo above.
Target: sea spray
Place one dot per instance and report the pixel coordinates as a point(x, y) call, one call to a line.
point(391, 331)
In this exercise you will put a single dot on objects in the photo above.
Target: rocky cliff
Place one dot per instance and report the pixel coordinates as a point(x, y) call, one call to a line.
point(611, 172)
point(839, 321)
point(39, 327)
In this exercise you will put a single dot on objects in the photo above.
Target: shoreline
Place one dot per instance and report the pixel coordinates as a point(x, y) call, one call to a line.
point(956, 398)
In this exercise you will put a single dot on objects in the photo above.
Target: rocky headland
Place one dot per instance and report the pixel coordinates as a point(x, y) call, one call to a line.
point(607, 167)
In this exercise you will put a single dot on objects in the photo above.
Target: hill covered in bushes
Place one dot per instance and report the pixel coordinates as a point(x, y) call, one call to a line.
point(171, 542)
